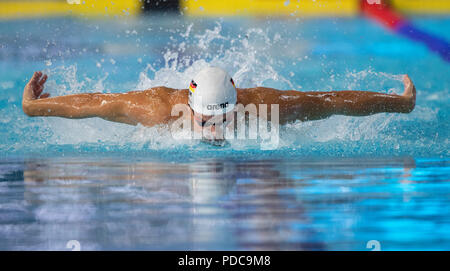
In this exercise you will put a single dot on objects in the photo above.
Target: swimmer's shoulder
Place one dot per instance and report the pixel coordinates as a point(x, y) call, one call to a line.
point(163, 90)
point(255, 90)
point(159, 90)
point(170, 95)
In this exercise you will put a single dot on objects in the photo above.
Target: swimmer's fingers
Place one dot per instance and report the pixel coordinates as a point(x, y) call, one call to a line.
point(31, 87)
point(35, 77)
point(410, 89)
point(34, 81)
point(43, 80)
point(408, 82)
point(406, 79)
point(40, 86)
point(38, 90)
point(35, 87)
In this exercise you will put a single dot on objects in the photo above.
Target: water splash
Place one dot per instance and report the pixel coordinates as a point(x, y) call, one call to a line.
point(250, 57)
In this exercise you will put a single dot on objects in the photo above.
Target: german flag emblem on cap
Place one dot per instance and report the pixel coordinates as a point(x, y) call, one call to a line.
point(192, 86)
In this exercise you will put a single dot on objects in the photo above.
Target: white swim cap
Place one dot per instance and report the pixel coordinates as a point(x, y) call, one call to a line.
point(212, 92)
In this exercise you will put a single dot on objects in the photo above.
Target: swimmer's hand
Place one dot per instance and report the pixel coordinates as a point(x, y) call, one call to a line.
point(33, 90)
point(410, 89)
point(409, 93)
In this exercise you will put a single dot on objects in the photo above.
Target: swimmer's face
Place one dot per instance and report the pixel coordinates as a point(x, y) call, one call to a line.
point(211, 122)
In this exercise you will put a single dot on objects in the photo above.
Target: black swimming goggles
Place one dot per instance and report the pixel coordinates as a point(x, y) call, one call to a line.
point(207, 123)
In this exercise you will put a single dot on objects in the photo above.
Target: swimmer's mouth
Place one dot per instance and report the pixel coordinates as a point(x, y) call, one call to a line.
point(206, 123)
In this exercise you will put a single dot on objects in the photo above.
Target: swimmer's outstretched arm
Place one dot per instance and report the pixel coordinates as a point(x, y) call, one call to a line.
point(130, 108)
point(305, 106)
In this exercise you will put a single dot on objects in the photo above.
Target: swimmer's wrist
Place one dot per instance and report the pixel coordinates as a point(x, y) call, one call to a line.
point(29, 108)
point(26, 107)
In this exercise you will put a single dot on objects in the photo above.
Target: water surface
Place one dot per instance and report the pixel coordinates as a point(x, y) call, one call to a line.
point(333, 184)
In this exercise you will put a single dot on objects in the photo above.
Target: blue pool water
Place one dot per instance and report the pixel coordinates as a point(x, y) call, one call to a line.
point(333, 184)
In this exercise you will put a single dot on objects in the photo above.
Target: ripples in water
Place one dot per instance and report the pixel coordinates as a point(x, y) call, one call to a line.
point(112, 203)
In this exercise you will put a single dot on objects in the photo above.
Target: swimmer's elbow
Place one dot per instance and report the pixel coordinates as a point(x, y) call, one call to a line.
point(118, 111)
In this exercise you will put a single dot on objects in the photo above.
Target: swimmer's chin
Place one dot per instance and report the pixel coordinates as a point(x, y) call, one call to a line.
point(215, 142)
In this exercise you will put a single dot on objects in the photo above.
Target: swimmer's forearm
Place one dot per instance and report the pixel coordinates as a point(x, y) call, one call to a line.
point(307, 106)
point(363, 103)
point(75, 106)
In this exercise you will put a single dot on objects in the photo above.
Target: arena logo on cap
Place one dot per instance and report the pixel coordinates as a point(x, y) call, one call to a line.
point(217, 106)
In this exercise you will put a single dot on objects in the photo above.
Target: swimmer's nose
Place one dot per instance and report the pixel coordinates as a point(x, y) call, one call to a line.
point(215, 130)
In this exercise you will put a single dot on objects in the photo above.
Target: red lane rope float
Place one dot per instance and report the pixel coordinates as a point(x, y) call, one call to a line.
point(392, 20)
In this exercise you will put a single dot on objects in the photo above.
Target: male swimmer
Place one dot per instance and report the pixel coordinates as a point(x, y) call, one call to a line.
point(211, 95)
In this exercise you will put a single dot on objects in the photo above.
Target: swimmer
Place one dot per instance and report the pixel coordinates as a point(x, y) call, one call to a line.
point(211, 94)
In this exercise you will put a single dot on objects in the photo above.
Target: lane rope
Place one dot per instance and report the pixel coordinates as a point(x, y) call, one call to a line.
point(395, 22)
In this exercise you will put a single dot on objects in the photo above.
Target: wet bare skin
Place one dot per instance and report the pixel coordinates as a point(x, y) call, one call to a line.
point(153, 106)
